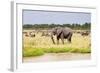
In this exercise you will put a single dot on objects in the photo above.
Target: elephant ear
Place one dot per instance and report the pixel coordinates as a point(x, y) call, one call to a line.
point(59, 31)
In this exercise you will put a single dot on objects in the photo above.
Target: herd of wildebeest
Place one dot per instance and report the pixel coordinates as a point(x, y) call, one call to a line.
point(47, 33)
point(59, 32)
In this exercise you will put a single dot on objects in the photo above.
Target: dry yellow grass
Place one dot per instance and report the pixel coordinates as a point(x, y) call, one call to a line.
point(39, 41)
point(39, 45)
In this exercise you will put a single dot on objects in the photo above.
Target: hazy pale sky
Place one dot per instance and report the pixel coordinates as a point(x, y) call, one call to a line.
point(49, 17)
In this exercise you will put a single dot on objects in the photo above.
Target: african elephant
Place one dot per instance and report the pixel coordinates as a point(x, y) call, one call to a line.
point(61, 33)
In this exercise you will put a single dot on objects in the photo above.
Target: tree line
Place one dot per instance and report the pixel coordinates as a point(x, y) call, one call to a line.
point(85, 26)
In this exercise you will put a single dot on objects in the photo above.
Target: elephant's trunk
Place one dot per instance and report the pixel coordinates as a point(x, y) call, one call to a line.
point(52, 38)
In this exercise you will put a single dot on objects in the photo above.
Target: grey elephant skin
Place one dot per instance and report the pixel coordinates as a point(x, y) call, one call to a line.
point(61, 33)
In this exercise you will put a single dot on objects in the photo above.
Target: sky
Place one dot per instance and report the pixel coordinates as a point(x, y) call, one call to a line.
point(49, 17)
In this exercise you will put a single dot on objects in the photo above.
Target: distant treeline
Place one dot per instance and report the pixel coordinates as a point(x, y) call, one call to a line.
point(85, 26)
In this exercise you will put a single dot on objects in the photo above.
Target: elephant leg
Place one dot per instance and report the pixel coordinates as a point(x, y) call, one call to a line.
point(69, 38)
point(57, 40)
point(52, 38)
point(62, 38)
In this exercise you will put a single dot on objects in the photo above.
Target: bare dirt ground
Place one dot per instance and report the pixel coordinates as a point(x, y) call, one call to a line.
point(58, 57)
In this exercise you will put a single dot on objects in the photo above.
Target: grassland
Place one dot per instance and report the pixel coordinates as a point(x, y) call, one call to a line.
point(39, 45)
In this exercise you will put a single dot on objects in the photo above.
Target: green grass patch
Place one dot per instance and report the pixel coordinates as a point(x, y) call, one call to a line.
point(32, 52)
point(56, 50)
point(84, 50)
point(28, 52)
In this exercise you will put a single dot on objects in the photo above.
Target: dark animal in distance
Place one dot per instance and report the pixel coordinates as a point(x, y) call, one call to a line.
point(85, 33)
point(32, 34)
point(45, 34)
point(26, 34)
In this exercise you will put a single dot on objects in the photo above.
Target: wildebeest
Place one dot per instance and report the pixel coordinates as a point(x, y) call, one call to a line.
point(32, 34)
point(86, 33)
point(26, 34)
point(45, 34)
